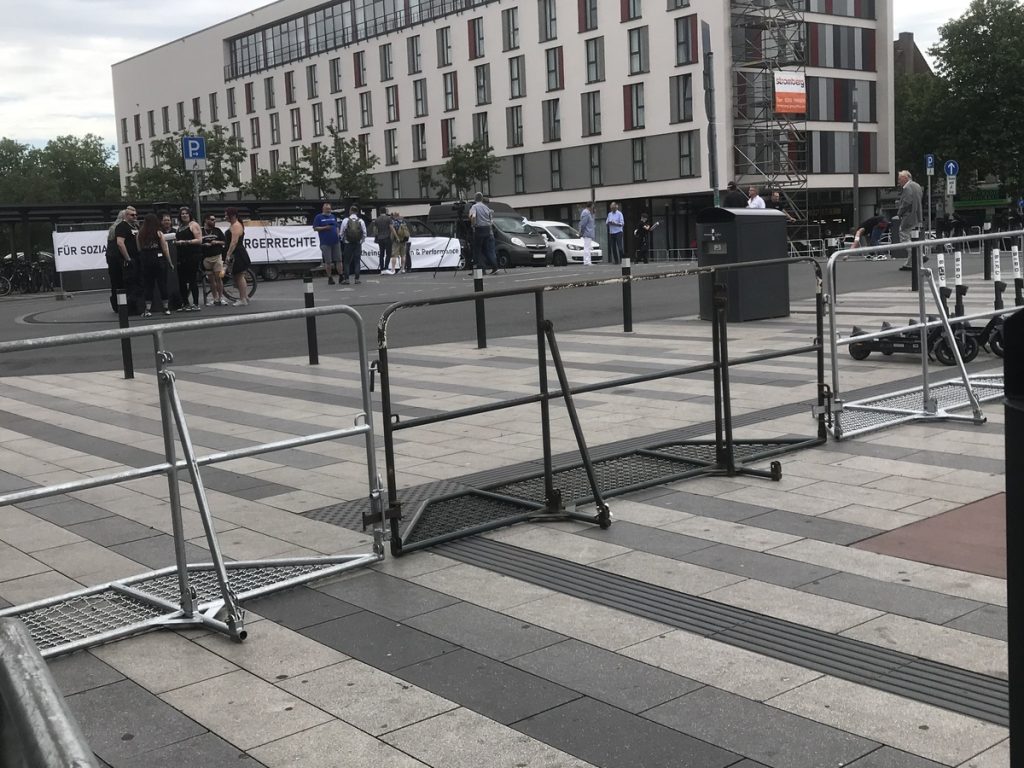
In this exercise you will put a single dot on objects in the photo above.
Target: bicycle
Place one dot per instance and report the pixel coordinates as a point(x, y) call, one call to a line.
point(229, 285)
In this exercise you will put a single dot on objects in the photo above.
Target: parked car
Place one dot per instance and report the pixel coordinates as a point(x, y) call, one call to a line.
point(515, 244)
point(564, 243)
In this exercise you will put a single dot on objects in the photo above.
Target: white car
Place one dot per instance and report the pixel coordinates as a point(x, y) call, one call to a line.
point(565, 245)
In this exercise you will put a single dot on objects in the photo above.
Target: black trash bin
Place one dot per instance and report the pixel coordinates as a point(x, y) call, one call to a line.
point(734, 235)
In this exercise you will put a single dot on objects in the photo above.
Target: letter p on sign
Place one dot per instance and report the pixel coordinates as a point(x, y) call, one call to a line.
point(193, 150)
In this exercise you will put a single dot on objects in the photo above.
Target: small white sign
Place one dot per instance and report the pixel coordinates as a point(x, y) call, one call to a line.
point(950, 186)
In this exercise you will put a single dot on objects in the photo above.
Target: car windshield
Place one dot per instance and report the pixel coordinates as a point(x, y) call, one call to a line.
point(511, 226)
point(564, 232)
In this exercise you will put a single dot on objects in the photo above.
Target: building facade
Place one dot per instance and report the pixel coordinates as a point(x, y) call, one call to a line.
point(575, 96)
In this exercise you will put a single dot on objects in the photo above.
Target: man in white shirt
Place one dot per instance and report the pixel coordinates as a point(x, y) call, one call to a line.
point(754, 200)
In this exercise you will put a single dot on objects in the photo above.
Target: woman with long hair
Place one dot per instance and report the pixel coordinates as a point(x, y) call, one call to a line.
point(154, 255)
point(237, 256)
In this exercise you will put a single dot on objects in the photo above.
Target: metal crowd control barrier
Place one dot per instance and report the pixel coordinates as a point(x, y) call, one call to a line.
point(929, 401)
point(555, 493)
point(36, 727)
point(186, 594)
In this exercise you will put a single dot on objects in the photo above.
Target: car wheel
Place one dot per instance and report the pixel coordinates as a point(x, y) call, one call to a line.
point(504, 261)
point(560, 260)
point(270, 272)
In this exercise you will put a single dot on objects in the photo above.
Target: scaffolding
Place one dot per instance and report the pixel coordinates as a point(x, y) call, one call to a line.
point(770, 148)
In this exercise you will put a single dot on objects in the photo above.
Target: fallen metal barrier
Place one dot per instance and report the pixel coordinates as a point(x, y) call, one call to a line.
point(189, 594)
point(37, 729)
point(555, 493)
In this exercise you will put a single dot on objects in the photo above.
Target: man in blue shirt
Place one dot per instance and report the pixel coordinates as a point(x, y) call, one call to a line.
point(588, 231)
point(615, 224)
point(326, 226)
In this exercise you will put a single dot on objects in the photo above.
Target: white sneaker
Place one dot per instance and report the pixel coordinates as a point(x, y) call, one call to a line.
point(240, 304)
point(389, 271)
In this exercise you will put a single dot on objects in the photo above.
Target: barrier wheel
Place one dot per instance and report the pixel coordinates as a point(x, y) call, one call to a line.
point(995, 343)
point(604, 516)
point(776, 470)
point(860, 351)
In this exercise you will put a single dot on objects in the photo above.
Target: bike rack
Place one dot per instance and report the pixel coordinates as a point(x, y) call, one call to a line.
point(189, 594)
point(936, 401)
point(556, 492)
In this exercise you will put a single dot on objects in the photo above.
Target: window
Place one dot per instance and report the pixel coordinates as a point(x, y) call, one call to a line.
point(359, 69)
point(296, 116)
point(268, 93)
point(510, 29)
point(181, 115)
point(214, 108)
point(312, 82)
point(275, 159)
point(250, 98)
point(419, 97)
point(165, 119)
point(595, 59)
point(552, 120)
point(447, 136)
point(675, 5)
point(318, 119)
point(386, 68)
point(631, 10)
point(588, 15)
point(365, 110)
point(591, 102)
point(688, 143)
point(555, 69)
point(232, 105)
point(395, 185)
point(514, 125)
point(639, 159)
point(481, 134)
point(334, 67)
point(391, 99)
point(289, 87)
point(254, 133)
point(236, 131)
point(595, 165)
point(419, 142)
point(444, 46)
point(275, 128)
point(547, 17)
point(391, 146)
point(412, 48)
point(633, 106)
point(639, 59)
point(128, 162)
point(293, 155)
point(518, 174)
point(363, 140)
point(476, 37)
point(138, 127)
point(197, 115)
point(151, 123)
point(482, 74)
point(340, 114)
point(555, 158)
point(254, 165)
point(686, 40)
point(124, 130)
point(517, 77)
point(451, 91)
point(680, 97)
point(424, 183)
point(142, 155)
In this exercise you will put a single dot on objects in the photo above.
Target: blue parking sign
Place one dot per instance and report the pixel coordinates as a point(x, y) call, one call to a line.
point(193, 147)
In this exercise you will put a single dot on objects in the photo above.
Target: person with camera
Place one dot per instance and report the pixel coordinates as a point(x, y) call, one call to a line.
point(482, 219)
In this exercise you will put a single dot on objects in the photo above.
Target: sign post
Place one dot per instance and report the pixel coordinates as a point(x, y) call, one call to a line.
point(929, 167)
point(193, 150)
point(952, 169)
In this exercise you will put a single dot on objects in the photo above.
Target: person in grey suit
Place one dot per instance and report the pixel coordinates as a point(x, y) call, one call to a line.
point(909, 211)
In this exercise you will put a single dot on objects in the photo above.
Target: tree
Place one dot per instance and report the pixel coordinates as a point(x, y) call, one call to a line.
point(67, 169)
point(919, 126)
point(467, 166)
point(168, 179)
point(284, 183)
point(978, 61)
point(317, 164)
point(347, 174)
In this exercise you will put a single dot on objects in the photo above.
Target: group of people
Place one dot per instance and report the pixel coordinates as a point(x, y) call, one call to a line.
point(734, 198)
point(615, 223)
point(159, 268)
point(341, 243)
point(908, 219)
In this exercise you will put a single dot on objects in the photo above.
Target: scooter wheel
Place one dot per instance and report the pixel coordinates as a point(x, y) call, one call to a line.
point(969, 348)
point(995, 343)
point(859, 351)
point(943, 353)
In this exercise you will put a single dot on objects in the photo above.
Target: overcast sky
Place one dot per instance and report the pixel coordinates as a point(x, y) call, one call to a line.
point(56, 54)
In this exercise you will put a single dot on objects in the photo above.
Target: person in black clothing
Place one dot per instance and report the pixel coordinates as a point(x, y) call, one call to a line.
point(642, 236)
point(128, 249)
point(189, 238)
point(869, 233)
point(237, 256)
point(734, 197)
point(153, 257)
point(115, 262)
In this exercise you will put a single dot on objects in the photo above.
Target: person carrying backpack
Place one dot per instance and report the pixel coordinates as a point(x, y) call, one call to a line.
point(354, 233)
point(400, 240)
point(382, 235)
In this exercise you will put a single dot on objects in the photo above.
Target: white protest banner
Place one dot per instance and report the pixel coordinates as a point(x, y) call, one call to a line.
point(75, 251)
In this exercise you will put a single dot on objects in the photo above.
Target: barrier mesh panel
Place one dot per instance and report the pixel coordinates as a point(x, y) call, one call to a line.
point(706, 453)
point(446, 516)
point(241, 580)
point(85, 616)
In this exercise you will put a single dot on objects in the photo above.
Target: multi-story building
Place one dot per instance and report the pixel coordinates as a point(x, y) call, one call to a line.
point(575, 96)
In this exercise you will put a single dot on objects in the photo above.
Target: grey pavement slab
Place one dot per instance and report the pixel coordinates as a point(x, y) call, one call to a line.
point(301, 607)
point(886, 596)
point(958, 461)
point(483, 631)
point(493, 689)
point(4, 603)
point(263, 491)
point(646, 539)
point(69, 512)
point(612, 738)
point(757, 565)
point(863, 448)
point(989, 620)
point(887, 757)
point(204, 751)
point(606, 676)
point(158, 551)
point(378, 641)
point(820, 528)
point(9, 482)
point(766, 734)
point(112, 530)
point(383, 594)
point(707, 506)
point(122, 720)
point(81, 671)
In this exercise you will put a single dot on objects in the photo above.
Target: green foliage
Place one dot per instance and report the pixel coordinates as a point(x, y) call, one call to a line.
point(68, 169)
point(467, 166)
point(346, 169)
point(317, 163)
point(281, 184)
point(919, 125)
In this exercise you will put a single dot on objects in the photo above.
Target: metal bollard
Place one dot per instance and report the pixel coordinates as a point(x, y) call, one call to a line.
point(1018, 281)
point(311, 344)
point(915, 267)
point(126, 344)
point(481, 318)
point(988, 259)
point(627, 296)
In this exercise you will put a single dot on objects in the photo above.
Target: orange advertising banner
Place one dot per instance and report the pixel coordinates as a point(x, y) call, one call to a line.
point(790, 93)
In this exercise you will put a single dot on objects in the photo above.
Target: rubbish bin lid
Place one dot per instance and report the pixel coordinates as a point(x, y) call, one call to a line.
point(723, 215)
